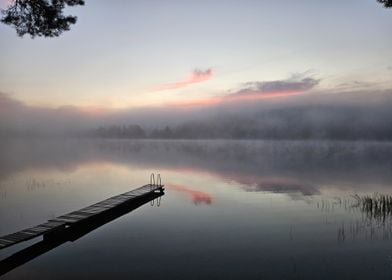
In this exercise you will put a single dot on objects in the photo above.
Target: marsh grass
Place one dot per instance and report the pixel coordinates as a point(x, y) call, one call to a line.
point(371, 216)
point(377, 206)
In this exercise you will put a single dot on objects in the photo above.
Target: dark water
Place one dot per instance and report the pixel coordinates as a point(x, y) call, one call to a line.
point(232, 209)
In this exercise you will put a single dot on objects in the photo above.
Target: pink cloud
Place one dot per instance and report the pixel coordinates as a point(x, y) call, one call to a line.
point(252, 91)
point(197, 76)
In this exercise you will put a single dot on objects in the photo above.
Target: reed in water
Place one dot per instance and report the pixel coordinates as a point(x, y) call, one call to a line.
point(376, 207)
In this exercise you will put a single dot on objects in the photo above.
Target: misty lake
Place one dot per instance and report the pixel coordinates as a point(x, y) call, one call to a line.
point(231, 209)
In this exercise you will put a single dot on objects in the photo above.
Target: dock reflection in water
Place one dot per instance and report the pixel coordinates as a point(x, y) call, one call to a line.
point(73, 233)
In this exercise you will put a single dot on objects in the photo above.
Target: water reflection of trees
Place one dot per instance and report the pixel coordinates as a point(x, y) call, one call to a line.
point(281, 166)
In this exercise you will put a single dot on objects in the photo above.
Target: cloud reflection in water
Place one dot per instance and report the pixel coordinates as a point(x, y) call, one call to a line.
point(198, 197)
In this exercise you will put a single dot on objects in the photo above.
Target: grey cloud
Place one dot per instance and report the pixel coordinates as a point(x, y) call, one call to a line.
point(355, 84)
point(6, 101)
point(278, 86)
point(19, 118)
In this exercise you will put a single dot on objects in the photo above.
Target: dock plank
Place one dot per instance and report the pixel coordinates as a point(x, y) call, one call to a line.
point(78, 216)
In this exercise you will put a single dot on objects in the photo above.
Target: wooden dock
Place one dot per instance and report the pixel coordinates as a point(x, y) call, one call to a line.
point(90, 214)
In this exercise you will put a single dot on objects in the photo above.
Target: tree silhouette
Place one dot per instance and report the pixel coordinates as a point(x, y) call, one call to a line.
point(45, 17)
point(387, 3)
point(39, 17)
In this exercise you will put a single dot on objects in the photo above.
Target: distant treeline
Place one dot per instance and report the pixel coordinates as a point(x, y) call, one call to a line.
point(294, 123)
point(120, 131)
point(235, 132)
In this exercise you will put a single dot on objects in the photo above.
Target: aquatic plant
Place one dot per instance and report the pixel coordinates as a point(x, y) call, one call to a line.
point(376, 207)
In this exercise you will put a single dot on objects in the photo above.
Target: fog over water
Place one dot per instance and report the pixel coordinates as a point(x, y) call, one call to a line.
point(267, 189)
point(257, 164)
point(300, 200)
point(360, 115)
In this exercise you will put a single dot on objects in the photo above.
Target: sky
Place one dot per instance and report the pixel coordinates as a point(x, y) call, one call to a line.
point(184, 53)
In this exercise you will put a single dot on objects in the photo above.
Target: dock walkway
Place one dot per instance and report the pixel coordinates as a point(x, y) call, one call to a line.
point(81, 216)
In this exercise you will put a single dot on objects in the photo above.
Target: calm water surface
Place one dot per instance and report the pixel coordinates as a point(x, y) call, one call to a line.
point(232, 209)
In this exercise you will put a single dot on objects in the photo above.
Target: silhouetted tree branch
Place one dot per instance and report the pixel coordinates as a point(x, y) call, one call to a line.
point(45, 17)
point(387, 3)
point(39, 17)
